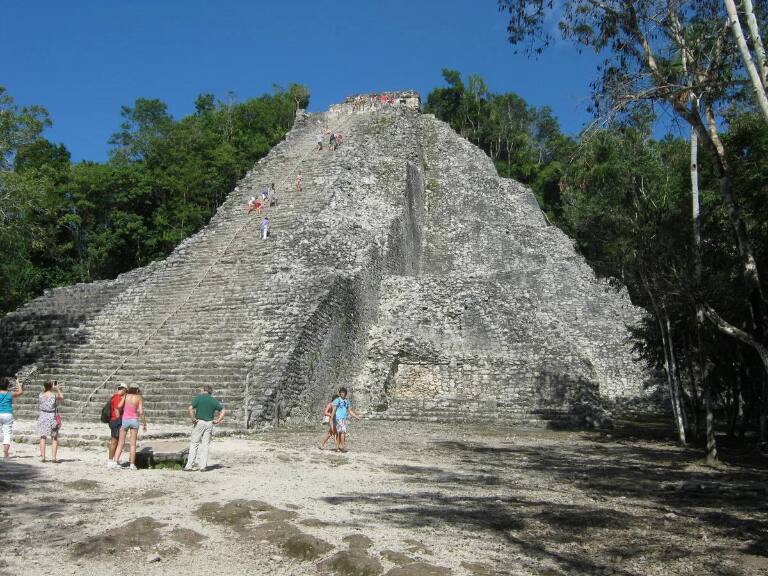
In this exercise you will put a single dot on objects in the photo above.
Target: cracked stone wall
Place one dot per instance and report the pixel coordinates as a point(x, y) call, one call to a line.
point(502, 319)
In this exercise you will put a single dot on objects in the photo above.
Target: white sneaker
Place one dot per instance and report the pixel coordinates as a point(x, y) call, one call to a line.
point(112, 464)
point(132, 467)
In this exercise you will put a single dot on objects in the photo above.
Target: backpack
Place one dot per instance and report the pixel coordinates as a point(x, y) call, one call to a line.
point(106, 412)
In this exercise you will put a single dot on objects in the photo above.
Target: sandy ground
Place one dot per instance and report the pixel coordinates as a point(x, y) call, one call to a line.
point(406, 500)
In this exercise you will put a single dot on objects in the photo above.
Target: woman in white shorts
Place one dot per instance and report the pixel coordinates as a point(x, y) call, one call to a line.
point(6, 411)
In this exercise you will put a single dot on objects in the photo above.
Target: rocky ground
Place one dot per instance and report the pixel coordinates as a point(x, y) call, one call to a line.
point(406, 500)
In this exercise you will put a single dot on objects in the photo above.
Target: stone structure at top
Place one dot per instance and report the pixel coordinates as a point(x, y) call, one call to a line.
point(406, 270)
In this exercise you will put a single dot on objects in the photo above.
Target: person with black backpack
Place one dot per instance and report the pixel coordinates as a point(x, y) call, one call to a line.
point(112, 414)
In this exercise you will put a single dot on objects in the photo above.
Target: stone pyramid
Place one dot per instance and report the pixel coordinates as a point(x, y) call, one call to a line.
point(406, 270)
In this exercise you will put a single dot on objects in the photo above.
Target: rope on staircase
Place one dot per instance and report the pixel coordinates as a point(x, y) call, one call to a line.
point(195, 286)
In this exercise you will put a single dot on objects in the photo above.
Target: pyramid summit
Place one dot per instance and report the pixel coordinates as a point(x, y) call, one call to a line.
point(405, 269)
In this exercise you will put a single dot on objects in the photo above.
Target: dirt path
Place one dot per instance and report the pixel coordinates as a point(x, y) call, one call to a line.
point(439, 500)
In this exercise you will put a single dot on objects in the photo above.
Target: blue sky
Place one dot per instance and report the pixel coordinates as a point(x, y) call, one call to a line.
point(83, 59)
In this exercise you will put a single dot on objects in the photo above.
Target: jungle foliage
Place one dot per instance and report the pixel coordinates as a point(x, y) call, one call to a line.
point(625, 198)
point(682, 222)
point(63, 222)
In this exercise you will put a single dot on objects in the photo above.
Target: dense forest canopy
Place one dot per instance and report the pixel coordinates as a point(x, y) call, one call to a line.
point(64, 222)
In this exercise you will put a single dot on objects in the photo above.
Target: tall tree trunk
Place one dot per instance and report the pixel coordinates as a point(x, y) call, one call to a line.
point(748, 261)
point(696, 386)
point(762, 351)
point(742, 412)
point(709, 424)
point(754, 76)
point(757, 41)
point(673, 398)
point(675, 380)
point(696, 217)
point(735, 406)
point(709, 417)
point(747, 407)
point(708, 133)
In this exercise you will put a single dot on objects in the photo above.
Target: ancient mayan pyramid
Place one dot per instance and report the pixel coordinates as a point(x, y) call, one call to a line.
point(406, 269)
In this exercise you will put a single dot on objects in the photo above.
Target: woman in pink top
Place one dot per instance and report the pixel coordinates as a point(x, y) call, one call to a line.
point(133, 411)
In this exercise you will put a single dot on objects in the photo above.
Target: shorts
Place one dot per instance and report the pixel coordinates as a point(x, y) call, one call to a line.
point(129, 424)
point(341, 426)
point(114, 428)
point(6, 423)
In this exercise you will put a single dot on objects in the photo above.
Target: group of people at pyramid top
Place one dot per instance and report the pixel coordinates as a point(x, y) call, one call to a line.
point(373, 101)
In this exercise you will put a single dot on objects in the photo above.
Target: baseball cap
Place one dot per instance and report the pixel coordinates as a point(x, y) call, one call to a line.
point(122, 387)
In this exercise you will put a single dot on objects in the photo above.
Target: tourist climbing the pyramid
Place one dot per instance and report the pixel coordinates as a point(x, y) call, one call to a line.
point(332, 141)
point(254, 204)
point(319, 145)
point(271, 196)
point(298, 182)
point(264, 226)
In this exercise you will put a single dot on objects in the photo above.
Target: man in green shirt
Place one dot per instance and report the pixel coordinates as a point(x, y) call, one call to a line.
point(203, 413)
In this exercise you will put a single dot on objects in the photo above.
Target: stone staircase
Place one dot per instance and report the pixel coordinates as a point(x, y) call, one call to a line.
point(200, 316)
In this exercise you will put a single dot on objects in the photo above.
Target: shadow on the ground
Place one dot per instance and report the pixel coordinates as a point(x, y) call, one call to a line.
point(507, 517)
point(20, 483)
point(27, 496)
point(14, 475)
point(666, 477)
point(432, 509)
point(604, 502)
point(422, 475)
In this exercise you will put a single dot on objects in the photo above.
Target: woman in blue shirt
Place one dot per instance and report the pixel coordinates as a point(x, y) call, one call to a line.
point(6, 411)
point(340, 413)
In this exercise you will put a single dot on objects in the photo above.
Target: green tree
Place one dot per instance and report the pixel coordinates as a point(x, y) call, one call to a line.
point(62, 223)
point(18, 127)
point(524, 142)
point(144, 123)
